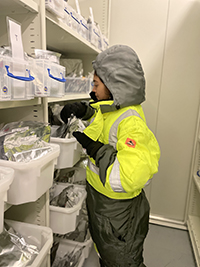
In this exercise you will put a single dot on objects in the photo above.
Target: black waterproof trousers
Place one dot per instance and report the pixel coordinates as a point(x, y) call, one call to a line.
point(118, 228)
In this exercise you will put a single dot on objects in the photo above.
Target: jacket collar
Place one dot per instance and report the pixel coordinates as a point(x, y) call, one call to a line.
point(104, 105)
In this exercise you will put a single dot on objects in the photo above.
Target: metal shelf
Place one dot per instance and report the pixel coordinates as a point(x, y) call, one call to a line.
point(69, 97)
point(193, 227)
point(21, 103)
point(60, 37)
point(18, 6)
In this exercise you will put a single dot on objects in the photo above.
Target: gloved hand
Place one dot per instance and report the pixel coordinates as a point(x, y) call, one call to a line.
point(77, 108)
point(91, 146)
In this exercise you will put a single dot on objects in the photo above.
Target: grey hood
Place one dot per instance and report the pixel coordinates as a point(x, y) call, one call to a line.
point(120, 70)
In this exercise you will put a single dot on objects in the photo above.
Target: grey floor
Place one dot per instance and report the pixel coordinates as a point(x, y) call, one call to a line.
point(164, 247)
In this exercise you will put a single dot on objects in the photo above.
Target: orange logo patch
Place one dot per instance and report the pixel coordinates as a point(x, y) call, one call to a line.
point(130, 142)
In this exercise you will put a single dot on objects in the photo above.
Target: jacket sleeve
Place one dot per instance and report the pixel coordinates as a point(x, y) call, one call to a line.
point(89, 111)
point(133, 162)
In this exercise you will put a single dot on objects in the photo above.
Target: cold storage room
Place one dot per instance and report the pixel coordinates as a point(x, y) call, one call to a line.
point(49, 209)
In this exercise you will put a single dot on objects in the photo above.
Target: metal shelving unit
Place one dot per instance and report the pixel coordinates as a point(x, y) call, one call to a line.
point(40, 30)
point(193, 211)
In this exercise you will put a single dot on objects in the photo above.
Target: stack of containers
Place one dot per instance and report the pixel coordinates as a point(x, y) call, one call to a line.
point(49, 74)
point(65, 220)
point(24, 183)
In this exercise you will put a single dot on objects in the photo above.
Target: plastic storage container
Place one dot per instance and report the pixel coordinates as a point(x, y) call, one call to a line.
point(69, 245)
point(77, 85)
point(55, 7)
point(84, 30)
point(105, 43)
point(39, 236)
point(16, 81)
point(6, 178)
point(31, 179)
point(70, 152)
point(50, 79)
point(94, 36)
point(65, 220)
point(73, 175)
point(75, 20)
point(67, 14)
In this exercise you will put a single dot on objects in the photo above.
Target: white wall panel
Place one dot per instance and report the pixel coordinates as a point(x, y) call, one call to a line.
point(166, 36)
point(142, 25)
point(178, 108)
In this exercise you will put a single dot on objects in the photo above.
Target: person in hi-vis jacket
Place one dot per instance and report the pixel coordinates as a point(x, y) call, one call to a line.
point(123, 157)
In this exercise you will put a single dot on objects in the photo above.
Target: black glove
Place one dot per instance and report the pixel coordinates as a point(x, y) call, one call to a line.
point(91, 146)
point(78, 109)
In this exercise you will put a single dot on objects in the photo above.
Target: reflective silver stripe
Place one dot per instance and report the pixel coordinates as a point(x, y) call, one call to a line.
point(114, 178)
point(114, 127)
point(92, 120)
point(92, 167)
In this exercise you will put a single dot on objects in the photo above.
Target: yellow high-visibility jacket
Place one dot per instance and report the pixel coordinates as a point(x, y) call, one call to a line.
point(130, 155)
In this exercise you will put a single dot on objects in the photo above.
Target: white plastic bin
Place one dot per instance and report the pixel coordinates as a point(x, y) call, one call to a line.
point(67, 14)
point(40, 236)
point(50, 79)
point(31, 179)
point(55, 7)
point(69, 245)
point(75, 20)
point(70, 151)
point(105, 43)
point(94, 36)
point(73, 175)
point(84, 30)
point(16, 81)
point(79, 85)
point(6, 178)
point(65, 220)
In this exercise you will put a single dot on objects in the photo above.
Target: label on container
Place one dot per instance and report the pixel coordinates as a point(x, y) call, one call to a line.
point(15, 37)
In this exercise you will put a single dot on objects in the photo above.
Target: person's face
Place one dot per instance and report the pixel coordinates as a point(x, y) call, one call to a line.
point(100, 90)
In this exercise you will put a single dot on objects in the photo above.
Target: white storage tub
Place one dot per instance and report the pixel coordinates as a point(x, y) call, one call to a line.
point(31, 179)
point(50, 79)
point(16, 81)
point(67, 14)
point(6, 178)
point(70, 245)
point(84, 31)
point(73, 175)
point(80, 85)
point(65, 220)
point(55, 7)
point(94, 35)
point(40, 236)
point(75, 20)
point(70, 151)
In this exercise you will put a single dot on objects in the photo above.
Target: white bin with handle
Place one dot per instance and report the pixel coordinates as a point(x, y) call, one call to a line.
point(40, 236)
point(31, 179)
